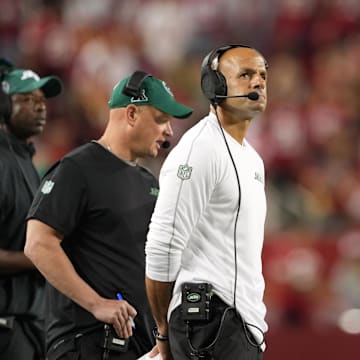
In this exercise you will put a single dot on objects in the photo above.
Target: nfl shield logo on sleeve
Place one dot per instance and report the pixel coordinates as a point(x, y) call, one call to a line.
point(184, 172)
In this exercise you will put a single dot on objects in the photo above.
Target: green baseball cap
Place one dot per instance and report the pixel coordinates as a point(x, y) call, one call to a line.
point(152, 91)
point(20, 81)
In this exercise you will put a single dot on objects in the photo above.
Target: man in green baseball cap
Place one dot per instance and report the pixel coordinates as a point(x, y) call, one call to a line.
point(27, 92)
point(22, 115)
point(97, 202)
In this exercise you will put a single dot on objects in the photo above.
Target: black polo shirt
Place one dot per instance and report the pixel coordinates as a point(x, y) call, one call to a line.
point(103, 206)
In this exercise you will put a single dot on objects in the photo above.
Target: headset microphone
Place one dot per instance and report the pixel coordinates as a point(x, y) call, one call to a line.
point(165, 144)
point(252, 96)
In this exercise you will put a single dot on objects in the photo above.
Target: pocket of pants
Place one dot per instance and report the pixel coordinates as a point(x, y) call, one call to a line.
point(64, 349)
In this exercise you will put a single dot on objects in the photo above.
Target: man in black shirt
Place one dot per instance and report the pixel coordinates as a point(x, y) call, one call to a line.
point(88, 224)
point(22, 116)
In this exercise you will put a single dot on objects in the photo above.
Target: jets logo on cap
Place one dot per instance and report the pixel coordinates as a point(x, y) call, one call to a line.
point(167, 88)
point(142, 97)
point(28, 74)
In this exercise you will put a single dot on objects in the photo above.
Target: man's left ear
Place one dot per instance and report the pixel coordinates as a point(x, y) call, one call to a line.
point(131, 114)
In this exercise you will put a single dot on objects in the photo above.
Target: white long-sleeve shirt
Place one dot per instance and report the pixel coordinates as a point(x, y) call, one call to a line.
point(191, 236)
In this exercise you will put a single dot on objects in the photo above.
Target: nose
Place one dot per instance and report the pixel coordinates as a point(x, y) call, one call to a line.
point(169, 130)
point(40, 104)
point(259, 82)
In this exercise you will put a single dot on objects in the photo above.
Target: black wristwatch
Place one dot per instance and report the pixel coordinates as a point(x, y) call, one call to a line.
point(158, 336)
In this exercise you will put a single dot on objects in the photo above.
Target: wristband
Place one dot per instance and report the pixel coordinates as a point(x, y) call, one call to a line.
point(158, 336)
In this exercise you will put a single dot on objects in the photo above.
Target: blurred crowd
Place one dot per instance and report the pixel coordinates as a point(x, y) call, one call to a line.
point(309, 136)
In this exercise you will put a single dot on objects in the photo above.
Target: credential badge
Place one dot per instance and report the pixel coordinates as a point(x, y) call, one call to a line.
point(47, 187)
point(184, 172)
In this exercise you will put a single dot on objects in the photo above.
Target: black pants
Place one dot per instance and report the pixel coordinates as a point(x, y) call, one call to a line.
point(25, 341)
point(232, 343)
point(88, 347)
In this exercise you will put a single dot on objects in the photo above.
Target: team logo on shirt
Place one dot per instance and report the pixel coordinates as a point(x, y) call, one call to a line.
point(154, 191)
point(47, 187)
point(258, 177)
point(184, 172)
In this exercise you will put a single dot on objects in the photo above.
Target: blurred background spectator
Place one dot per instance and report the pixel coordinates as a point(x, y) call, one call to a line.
point(309, 136)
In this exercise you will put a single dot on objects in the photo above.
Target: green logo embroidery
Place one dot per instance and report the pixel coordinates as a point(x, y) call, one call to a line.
point(154, 191)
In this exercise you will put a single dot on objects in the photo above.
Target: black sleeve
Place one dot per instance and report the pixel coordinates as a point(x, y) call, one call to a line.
point(61, 198)
point(2, 196)
point(7, 199)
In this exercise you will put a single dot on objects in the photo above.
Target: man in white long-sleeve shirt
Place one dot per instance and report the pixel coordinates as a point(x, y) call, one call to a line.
point(203, 252)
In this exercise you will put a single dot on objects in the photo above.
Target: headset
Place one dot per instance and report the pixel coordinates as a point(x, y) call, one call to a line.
point(213, 82)
point(134, 83)
point(5, 99)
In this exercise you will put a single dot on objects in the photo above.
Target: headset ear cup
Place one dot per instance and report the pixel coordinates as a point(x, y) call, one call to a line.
point(5, 106)
point(220, 84)
point(207, 86)
point(208, 79)
point(213, 83)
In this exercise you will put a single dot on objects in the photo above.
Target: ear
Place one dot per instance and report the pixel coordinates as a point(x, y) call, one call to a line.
point(131, 114)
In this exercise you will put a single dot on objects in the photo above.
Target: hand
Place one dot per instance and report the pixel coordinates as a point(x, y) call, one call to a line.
point(117, 313)
point(164, 349)
point(155, 351)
